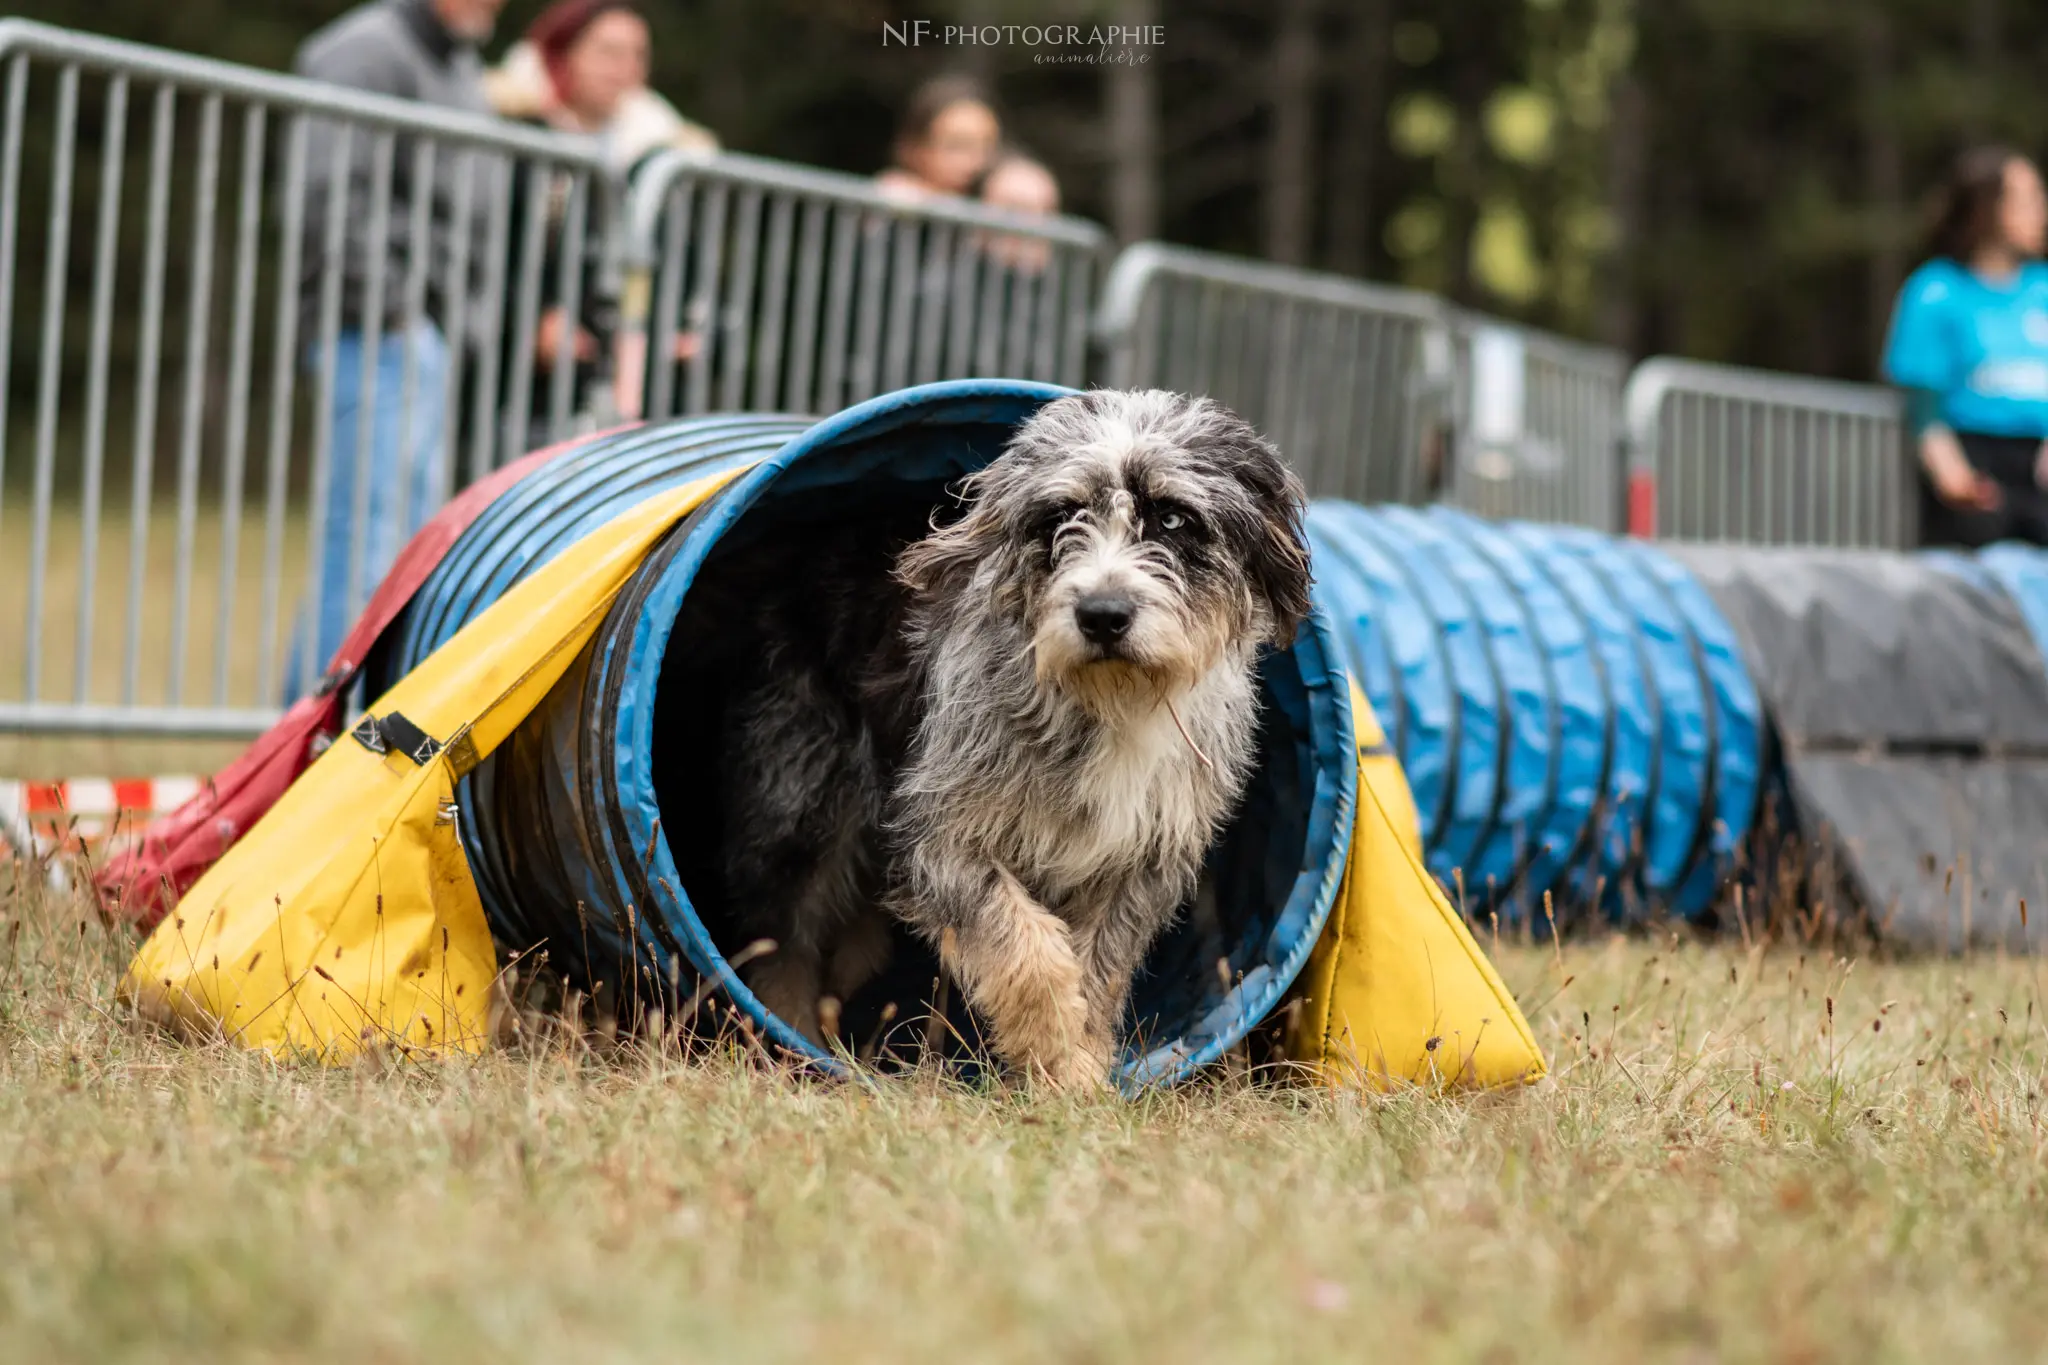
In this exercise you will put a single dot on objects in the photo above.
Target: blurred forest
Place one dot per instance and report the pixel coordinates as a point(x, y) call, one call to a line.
point(1729, 179)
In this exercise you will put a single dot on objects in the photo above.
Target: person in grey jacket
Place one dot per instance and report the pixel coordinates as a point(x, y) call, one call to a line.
point(389, 405)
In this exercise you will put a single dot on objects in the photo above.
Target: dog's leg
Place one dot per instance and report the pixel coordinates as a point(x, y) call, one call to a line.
point(803, 798)
point(827, 946)
point(787, 983)
point(860, 950)
point(1112, 939)
point(1016, 963)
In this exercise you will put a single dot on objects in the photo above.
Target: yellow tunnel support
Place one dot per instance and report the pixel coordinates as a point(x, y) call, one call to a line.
point(1397, 991)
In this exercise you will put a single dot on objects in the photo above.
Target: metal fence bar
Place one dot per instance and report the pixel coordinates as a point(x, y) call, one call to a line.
point(456, 305)
point(148, 357)
point(1076, 315)
point(369, 351)
point(703, 314)
point(738, 316)
point(334, 231)
point(793, 387)
point(774, 306)
point(1358, 408)
point(962, 306)
point(1051, 329)
point(668, 298)
point(198, 330)
point(934, 287)
point(738, 311)
point(569, 290)
point(1718, 452)
point(904, 280)
point(241, 343)
point(599, 402)
point(284, 370)
point(495, 291)
point(97, 366)
point(803, 350)
point(55, 272)
point(831, 394)
point(413, 292)
point(1023, 291)
point(10, 216)
point(1221, 353)
point(864, 371)
point(988, 318)
point(527, 311)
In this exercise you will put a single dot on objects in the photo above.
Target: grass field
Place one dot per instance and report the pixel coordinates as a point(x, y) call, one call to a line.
point(1743, 1155)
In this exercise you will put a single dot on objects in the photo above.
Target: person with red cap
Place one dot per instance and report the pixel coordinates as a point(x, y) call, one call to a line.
point(581, 68)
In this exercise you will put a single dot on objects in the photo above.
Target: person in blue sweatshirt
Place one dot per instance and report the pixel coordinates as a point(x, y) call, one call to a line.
point(1969, 344)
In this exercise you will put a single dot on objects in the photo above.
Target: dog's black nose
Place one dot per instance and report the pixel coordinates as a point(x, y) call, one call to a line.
point(1104, 620)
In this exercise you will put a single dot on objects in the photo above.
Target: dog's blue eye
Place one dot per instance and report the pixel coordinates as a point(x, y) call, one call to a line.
point(1172, 519)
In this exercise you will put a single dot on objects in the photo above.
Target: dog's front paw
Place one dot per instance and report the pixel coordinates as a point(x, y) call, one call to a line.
point(1076, 1071)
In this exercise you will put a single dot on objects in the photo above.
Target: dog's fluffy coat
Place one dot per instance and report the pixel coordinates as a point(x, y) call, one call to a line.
point(1016, 733)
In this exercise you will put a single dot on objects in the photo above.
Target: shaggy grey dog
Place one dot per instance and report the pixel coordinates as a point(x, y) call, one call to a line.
point(1016, 733)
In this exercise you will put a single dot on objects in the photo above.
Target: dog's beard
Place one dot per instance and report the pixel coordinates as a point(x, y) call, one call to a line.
point(1166, 659)
point(1107, 687)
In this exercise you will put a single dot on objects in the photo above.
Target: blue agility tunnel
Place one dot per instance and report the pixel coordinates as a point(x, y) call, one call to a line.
point(1571, 709)
point(592, 830)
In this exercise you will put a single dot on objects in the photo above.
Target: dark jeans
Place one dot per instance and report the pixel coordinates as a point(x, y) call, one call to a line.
point(2022, 513)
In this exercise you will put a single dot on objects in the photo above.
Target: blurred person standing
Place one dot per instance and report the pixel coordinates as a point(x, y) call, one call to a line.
point(1969, 344)
point(945, 141)
point(582, 69)
point(424, 50)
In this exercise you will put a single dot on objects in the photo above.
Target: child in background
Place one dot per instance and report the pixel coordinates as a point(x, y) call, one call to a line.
point(1019, 184)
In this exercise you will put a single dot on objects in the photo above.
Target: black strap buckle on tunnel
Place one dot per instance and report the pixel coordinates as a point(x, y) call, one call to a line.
point(393, 733)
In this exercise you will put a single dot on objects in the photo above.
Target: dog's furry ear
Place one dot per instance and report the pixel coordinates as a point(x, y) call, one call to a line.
point(941, 563)
point(1276, 556)
point(1280, 564)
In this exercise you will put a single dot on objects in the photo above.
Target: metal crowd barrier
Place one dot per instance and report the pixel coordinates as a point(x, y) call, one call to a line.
point(188, 344)
point(1541, 436)
point(191, 341)
point(1352, 380)
point(1721, 453)
point(758, 284)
